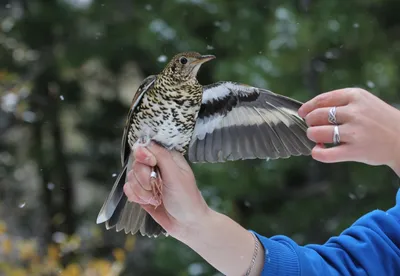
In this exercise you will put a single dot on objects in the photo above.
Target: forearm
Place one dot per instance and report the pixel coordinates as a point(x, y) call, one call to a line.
point(396, 166)
point(224, 244)
point(395, 162)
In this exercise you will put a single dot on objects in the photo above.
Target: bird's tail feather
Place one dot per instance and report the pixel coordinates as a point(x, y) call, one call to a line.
point(118, 212)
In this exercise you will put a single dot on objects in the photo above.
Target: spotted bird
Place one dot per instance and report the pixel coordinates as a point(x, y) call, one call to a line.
point(212, 123)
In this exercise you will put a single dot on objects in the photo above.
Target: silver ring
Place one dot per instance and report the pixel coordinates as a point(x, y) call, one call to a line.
point(153, 174)
point(332, 116)
point(336, 135)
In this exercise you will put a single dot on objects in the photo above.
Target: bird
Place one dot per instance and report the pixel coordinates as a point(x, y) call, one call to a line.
point(218, 122)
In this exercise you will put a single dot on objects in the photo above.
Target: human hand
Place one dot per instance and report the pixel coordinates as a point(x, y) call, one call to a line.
point(185, 215)
point(369, 128)
point(182, 205)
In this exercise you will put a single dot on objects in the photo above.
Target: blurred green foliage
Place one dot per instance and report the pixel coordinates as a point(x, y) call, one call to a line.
point(69, 68)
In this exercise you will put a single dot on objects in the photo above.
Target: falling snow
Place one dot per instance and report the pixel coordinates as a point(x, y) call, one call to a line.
point(9, 102)
point(370, 84)
point(162, 58)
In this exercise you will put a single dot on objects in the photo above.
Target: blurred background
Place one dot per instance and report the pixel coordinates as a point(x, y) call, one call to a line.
point(68, 71)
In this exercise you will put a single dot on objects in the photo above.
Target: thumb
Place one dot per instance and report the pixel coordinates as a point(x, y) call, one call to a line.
point(165, 160)
point(335, 154)
point(180, 161)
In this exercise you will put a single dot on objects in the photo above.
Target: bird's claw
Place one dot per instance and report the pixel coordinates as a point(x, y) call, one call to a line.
point(156, 187)
point(143, 141)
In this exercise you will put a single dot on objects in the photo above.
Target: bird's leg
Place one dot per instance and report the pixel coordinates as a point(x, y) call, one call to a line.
point(156, 184)
point(155, 176)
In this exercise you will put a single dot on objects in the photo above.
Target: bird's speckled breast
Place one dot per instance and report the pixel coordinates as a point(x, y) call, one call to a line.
point(167, 115)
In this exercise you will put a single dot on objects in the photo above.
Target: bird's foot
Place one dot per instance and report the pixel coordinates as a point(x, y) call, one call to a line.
point(143, 141)
point(156, 185)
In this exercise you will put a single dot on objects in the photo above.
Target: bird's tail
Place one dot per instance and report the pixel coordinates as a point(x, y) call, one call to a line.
point(118, 212)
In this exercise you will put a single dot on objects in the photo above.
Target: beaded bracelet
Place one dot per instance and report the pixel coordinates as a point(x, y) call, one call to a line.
point(253, 260)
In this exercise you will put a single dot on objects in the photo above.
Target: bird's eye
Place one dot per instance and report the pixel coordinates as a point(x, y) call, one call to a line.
point(183, 60)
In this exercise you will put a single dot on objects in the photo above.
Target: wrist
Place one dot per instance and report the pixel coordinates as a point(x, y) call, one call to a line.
point(394, 151)
point(396, 160)
point(224, 244)
point(190, 231)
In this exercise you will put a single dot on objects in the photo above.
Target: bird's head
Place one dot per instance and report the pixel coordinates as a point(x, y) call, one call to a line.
point(184, 66)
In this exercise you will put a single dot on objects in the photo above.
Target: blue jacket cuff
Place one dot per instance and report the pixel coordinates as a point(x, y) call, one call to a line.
point(280, 257)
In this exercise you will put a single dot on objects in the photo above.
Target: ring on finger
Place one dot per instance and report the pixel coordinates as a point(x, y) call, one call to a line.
point(336, 135)
point(332, 116)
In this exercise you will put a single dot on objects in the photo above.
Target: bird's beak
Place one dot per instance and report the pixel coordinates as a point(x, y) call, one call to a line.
point(204, 58)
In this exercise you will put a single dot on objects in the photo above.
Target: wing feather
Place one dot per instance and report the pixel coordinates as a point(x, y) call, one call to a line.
point(146, 84)
point(238, 121)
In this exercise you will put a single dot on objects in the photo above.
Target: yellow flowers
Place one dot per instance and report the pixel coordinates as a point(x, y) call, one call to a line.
point(6, 246)
point(130, 242)
point(27, 249)
point(23, 257)
point(3, 227)
point(72, 270)
point(53, 253)
point(119, 255)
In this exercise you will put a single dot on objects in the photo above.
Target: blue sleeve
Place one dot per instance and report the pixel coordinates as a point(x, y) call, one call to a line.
point(371, 246)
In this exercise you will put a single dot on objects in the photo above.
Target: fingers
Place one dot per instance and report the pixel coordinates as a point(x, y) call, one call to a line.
point(157, 154)
point(138, 188)
point(132, 197)
point(165, 160)
point(339, 97)
point(319, 116)
point(324, 134)
point(339, 153)
point(141, 173)
point(144, 156)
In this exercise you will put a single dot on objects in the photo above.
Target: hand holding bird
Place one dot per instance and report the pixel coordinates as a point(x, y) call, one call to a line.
point(182, 204)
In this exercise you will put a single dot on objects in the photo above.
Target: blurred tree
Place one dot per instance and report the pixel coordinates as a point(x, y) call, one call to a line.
point(68, 70)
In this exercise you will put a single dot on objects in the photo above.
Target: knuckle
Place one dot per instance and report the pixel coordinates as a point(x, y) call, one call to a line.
point(322, 99)
point(337, 93)
point(355, 93)
point(136, 169)
point(308, 119)
point(127, 191)
point(351, 110)
point(351, 134)
point(139, 170)
point(136, 188)
point(313, 117)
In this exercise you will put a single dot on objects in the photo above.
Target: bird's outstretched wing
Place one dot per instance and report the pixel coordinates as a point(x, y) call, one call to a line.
point(238, 121)
point(146, 84)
